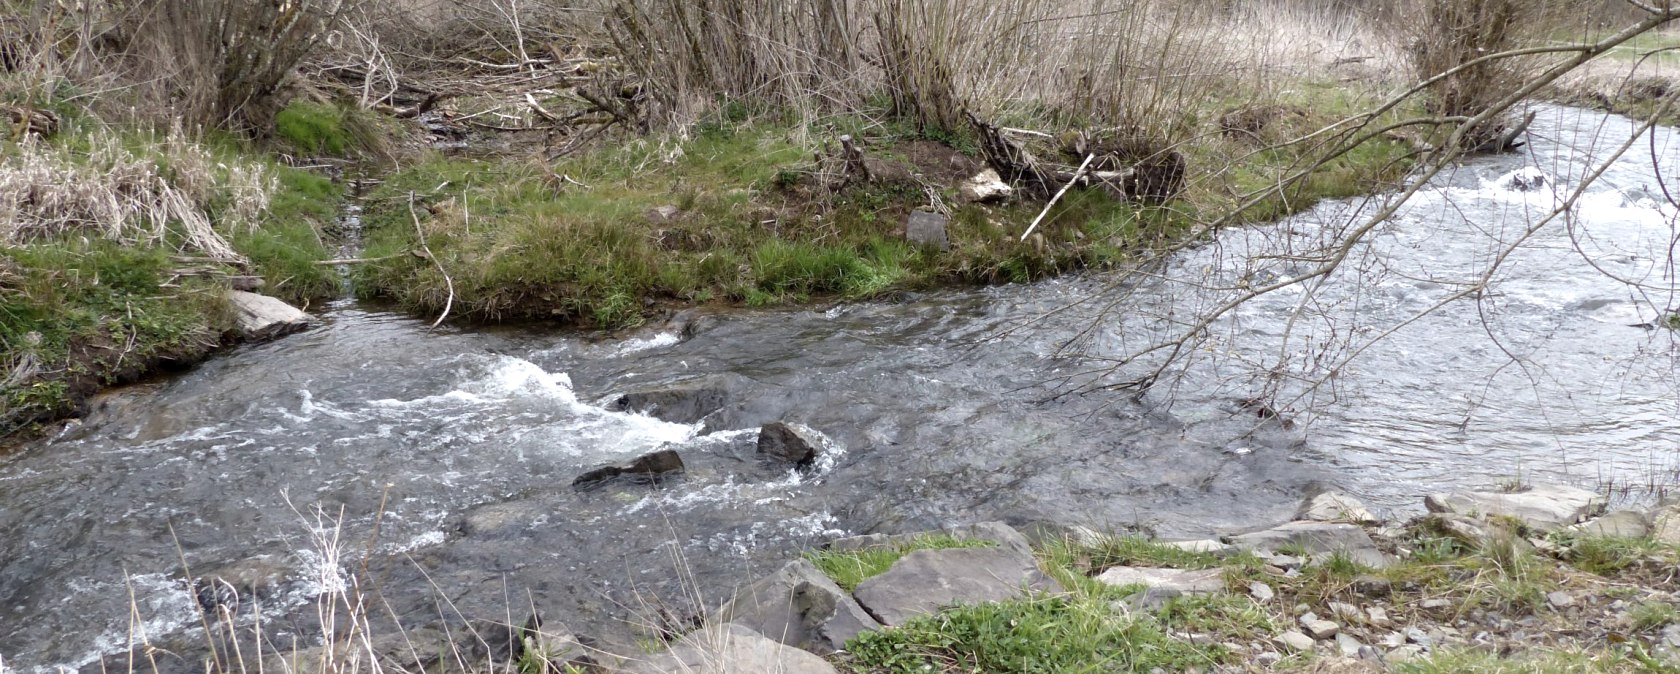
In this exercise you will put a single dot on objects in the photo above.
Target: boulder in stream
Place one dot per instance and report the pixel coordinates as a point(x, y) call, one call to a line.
point(680, 404)
point(262, 317)
point(791, 443)
point(645, 469)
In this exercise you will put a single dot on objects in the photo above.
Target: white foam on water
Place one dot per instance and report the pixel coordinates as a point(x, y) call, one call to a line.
point(164, 605)
point(424, 540)
point(765, 533)
point(518, 402)
point(639, 344)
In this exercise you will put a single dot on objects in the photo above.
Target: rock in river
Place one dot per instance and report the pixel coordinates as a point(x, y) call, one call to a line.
point(792, 443)
point(680, 404)
point(262, 317)
point(648, 468)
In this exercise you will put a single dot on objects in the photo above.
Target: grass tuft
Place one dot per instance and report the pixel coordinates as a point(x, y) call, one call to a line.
point(1050, 634)
point(849, 568)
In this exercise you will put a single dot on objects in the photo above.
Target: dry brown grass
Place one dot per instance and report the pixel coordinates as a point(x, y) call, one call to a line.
point(168, 191)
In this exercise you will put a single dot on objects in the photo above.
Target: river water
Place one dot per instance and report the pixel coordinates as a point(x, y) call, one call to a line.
point(442, 459)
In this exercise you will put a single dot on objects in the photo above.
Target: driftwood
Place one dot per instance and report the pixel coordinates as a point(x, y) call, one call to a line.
point(1020, 167)
point(1507, 140)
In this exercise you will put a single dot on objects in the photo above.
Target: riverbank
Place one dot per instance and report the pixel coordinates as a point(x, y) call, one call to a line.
point(127, 250)
point(1520, 578)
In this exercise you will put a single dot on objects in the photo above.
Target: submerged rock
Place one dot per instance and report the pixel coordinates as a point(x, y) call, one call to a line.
point(647, 469)
point(792, 443)
point(262, 317)
point(729, 649)
point(798, 606)
point(256, 578)
point(926, 581)
point(680, 404)
point(1542, 507)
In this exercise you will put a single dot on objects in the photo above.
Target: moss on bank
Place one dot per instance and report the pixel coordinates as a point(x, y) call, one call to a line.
point(740, 213)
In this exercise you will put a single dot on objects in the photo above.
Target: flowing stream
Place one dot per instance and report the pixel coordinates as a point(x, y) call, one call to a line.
point(442, 460)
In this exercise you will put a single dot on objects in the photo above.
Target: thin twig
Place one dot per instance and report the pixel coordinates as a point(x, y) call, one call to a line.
point(1076, 176)
point(450, 302)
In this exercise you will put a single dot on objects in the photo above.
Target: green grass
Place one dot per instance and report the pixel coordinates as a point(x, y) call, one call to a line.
point(89, 313)
point(849, 568)
point(332, 129)
point(1041, 635)
point(1606, 555)
point(1653, 615)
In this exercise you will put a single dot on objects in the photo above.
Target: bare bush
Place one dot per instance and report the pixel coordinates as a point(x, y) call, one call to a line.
point(1449, 39)
point(220, 63)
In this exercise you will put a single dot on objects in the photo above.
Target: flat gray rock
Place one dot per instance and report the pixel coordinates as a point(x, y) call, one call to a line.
point(262, 317)
point(1204, 581)
point(926, 581)
point(1334, 507)
point(799, 606)
point(927, 229)
point(1206, 546)
point(1316, 539)
point(1619, 524)
point(729, 649)
point(1543, 507)
point(1665, 523)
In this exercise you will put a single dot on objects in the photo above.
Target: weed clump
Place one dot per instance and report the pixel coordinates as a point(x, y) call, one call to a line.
point(849, 568)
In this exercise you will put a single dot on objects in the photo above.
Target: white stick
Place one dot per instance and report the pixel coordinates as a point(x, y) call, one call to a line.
point(448, 303)
point(1076, 176)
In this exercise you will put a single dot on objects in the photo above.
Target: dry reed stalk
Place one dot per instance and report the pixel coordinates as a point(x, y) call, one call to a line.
point(128, 197)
